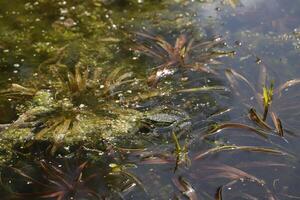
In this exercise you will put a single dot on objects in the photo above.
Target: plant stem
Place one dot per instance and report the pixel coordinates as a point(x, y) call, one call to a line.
point(266, 109)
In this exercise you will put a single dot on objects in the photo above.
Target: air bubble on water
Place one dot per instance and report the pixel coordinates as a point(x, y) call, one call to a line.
point(16, 65)
point(63, 11)
point(15, 71)
point(62, 3)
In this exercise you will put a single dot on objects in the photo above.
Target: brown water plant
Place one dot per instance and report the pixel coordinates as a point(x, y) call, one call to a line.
point(179, 156)
point(232, 125)
point(185, 188)
point(122, 170)
point(267, 99)
point(183, 54)
point(56, 183)
point(242, 148)
point(234, 175)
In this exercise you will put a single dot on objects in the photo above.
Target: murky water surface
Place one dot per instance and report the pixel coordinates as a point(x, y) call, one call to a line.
point(140, 99)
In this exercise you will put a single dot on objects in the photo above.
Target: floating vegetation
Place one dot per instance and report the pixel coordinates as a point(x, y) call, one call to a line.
point(76, 104)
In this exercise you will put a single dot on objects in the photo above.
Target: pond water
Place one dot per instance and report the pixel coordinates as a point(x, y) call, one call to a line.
point(149, 99)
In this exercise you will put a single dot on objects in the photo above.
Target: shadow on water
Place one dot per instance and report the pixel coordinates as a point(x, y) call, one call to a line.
point(142, 99)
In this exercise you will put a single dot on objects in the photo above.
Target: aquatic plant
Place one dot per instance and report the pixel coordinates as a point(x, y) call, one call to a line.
point(72, 104)
point(243, 148)
point(117, 171)
point(183, 54)
point(57, 182)
point(74, 26)
point(267, 97)
point(70, 110)
point(234, 175)
point(185, 188)
point(178, 156)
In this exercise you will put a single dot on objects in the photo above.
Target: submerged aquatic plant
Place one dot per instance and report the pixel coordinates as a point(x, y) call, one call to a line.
point(179, 156)
point(180, 152)
point(57, 183)
point(243, 148)
point(234, 175)
point(184, 54)
point(118, 171)
point(185, 188)
point(74, 104)
point(72, 108)
point(266, 99)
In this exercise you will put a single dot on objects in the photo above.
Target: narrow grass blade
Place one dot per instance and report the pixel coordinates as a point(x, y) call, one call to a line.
point(262, 75)
point(185, 188)
point(180, 42)
point(263, 164)
point(287, 85)
point(277, 123)
point(220, 127)
point(242, 148)
point(203, 89)
point(233, 76)
point(219, 193)
point(158, 159)
point(258, 120)
point(235, 174)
